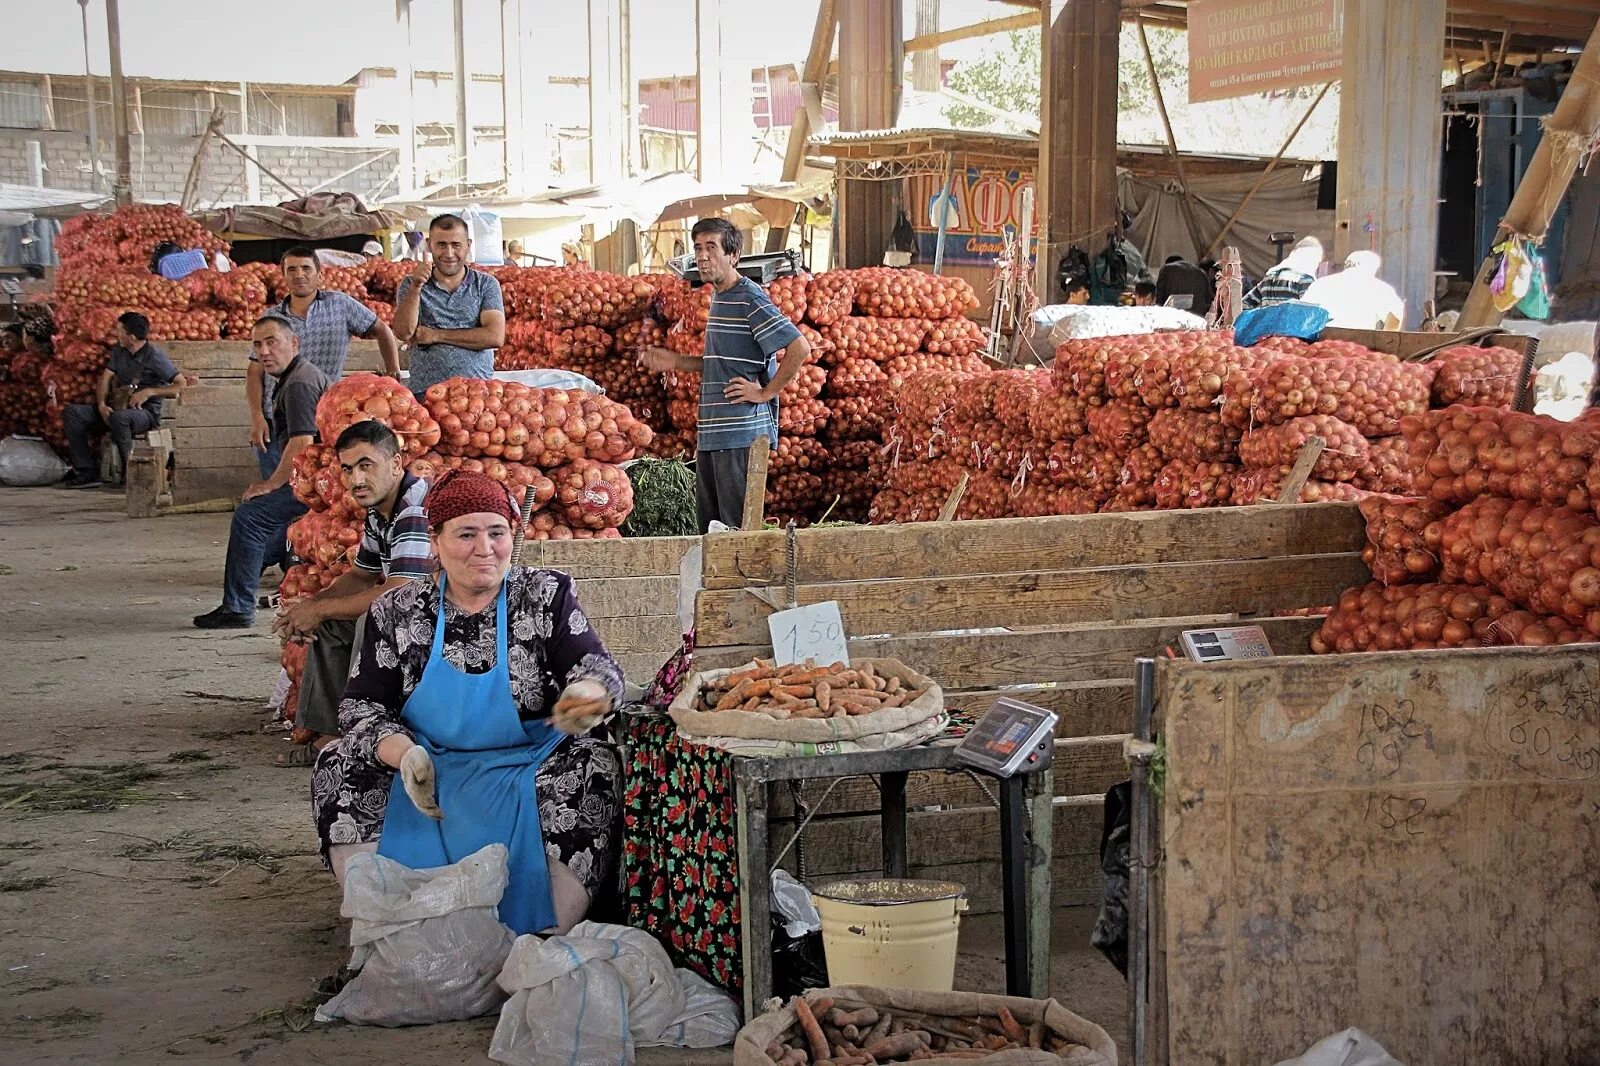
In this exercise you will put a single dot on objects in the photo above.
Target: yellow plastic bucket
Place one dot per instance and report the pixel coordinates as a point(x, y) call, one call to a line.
point(890, 933)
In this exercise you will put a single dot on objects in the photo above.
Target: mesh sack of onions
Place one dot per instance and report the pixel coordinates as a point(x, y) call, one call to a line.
point(688, 307)
point(591, 495)
point(1397, 550)
point(1080, 368)
point(518, 477)
point(1195, 485)
point(1281, 345)
point(1344, 455)
point(888, 292)
point(1136, 481)
point(578, 346)
point(1057, 414)
point(547, 525)
point(987, 496)
point(594, 298)
point(954, 336)
point(830, 297)
point(807, 418)
point(807, 385)
point(789, 296)
point(1377, 617)
point(854, 418)
point(1479, 377)
point(1119, 425)
point(641, 333)
point(1546, 559)
point(1388, 467)
point(1015, 395)
point(1460, 453)
point(1264, 485)
point(901, 366)
point(1372, 396)
point(1197, 379)
point(357, 397)
point(1090, 465)
point(325, 538)
point(878, 339)
point(1193, 436)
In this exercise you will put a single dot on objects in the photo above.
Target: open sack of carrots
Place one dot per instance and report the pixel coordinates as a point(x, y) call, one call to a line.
point(806, 701)
point(859, 1026)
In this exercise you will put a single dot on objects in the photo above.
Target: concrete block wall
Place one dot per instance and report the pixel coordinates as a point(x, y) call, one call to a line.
point(161, 166)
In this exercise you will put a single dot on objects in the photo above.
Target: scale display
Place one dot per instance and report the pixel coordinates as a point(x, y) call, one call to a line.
point(1013, 737)
point(1219, 645)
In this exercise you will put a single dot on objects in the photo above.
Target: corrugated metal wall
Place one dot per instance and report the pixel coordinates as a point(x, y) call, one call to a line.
point(21, 104)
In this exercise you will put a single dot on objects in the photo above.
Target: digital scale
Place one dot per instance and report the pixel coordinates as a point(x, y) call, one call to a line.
point(1220, 645)
point(1013, 737)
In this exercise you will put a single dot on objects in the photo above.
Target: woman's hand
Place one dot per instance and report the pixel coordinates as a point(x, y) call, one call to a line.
point(416, 774)
point(582, 706)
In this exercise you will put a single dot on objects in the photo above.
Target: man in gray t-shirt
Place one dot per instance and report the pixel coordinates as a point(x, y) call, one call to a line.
point(452, 316)
point(128, 400)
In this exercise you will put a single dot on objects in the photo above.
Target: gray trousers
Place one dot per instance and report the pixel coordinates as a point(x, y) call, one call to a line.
point(720, 478)
point(327, 669)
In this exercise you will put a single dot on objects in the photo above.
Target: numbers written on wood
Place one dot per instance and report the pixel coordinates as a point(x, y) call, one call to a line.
point(1384, 736)
point(815, 631)
point(1547, 724)
point(1396, 814)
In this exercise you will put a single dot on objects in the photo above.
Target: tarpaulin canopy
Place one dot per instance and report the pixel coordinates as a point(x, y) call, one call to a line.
point(318, 217)
point(21, 204)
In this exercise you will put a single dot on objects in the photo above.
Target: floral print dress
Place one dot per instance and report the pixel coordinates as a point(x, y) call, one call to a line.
point(550, 644)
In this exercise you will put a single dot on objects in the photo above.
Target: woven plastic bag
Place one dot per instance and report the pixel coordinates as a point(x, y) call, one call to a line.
point(429, 943)
point(598, 993)
point(27, 461)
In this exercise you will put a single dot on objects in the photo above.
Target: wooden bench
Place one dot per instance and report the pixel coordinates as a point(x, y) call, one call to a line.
point(1049, 610)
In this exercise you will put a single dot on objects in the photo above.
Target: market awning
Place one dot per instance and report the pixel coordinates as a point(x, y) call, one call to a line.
point(21, 204)
point(321, 216)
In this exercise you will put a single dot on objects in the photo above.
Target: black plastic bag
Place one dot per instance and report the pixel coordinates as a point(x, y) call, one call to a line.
point(798, 962)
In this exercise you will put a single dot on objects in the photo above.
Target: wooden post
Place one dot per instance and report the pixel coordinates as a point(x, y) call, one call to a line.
point(463, 138)
point(1310, 452)
point(1548, 176)
point(1189, 217)
point(811, 76)
point(1077, 175)
point(755, 484)
point(144, 477)
point(122, 184)
point(871, 53)
point(755, 887)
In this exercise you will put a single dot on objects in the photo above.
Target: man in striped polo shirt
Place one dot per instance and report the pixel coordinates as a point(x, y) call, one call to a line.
point(741, 373)
point(394, 549)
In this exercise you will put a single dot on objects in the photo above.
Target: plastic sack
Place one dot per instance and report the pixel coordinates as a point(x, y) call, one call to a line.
point(1292, 318)
point(549, 379)
point(429, 943)
point(597, 994)
point(27, 461)
point(1349, 1048)
point(484, 229)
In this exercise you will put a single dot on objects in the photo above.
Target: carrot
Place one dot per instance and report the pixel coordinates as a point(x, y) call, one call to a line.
point(1008, 1021)
point(802, 691)
point(894, 1047)
point(813, 1032)
point(880, 1030)
point(861, 1016)
point(1036, 1034)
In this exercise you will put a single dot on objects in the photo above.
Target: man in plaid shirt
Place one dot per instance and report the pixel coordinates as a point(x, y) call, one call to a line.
point(324, 321)
point(1290, 279)
point(394, 549)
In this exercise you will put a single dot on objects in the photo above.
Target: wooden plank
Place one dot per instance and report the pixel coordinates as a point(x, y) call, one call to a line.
point(755, 485)
point(1310, 452)
point(201, 416)
point(630, 557)
point(237, 457)
point(1007, 545)
point(207, 438)
point(1085, 766)
point(628, 597)
point(1409, 838)
point(732, 616)
point(207, 357)
point(1086, 708)
point(1068, 653)
point(657, 635)
point(212, 396)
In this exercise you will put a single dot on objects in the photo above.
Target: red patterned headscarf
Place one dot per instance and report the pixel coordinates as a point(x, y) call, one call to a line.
point(462, 492)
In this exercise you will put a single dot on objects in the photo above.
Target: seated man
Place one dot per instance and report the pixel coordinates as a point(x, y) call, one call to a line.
point(261, 521)
point(394, 549)
point(1144, 294)
point(143, 376)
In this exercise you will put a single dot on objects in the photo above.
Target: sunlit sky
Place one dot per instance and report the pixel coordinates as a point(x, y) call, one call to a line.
point(327, 43)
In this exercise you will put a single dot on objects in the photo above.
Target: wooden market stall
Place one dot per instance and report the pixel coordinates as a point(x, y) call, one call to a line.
point(1406, 842)
point(1048, 610)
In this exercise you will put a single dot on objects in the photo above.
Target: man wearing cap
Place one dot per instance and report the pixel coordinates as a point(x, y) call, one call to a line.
point(261, 521)
point(324, 321)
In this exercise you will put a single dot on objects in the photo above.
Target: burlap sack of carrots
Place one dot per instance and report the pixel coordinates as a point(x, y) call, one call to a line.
point(856, 1025)
point(806, 702)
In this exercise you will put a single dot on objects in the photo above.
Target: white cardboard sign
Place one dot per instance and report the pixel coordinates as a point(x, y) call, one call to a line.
point(815, 631)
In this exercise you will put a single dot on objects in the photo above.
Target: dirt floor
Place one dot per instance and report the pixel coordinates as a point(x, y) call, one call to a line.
point(160, 896)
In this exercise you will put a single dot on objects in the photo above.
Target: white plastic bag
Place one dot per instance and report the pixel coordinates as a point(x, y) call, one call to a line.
point(484, 229)
point(28, 461)
point(428, 943)
point(1349, 1048)
point(597, 994)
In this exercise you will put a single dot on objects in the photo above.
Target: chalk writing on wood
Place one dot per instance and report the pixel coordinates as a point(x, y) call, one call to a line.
point(1384, 734)
point(1396, 814)
point(1547, 724)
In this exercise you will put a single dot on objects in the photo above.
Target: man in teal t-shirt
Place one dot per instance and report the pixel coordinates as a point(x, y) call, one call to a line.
point(741, 373)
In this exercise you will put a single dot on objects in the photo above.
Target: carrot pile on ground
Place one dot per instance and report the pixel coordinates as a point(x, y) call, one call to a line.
point(806, 690)
point(827, 1033)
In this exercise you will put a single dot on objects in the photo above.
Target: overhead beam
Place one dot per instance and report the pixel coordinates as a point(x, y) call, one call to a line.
point(964, 33)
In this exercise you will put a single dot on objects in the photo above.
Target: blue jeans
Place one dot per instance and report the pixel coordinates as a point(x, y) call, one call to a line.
point(255, 541)
point(268, 458)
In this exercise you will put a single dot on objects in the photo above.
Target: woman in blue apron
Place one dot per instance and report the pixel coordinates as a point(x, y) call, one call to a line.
point(467, 721)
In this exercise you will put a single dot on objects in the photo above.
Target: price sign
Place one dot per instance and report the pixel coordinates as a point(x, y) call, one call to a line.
point(812, 632)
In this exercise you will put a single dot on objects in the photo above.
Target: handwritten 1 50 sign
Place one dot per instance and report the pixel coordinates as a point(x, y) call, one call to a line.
point(815, 631)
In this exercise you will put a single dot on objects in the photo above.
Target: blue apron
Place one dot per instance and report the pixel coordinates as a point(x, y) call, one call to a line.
point(484, 759)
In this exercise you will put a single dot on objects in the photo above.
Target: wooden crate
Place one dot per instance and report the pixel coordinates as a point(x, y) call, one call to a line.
point(629, 590)
point(1405, 842)
point(1049, 610)
point(212, 456)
